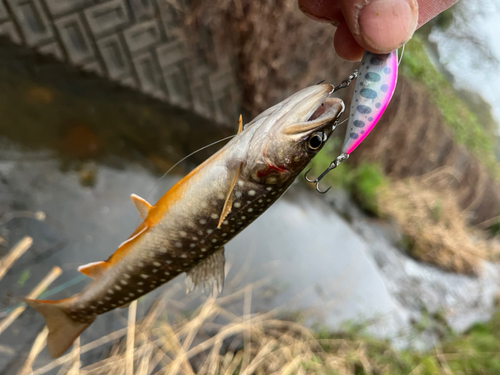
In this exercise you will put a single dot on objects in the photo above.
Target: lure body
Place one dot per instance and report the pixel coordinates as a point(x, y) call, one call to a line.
point(373, 91)
point(185, 231)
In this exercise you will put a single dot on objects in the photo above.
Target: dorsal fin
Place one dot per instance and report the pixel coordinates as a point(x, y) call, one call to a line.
point(94, 270)
point(142, 206)
point(209, 273)
point(240, 124)
point(229, 198)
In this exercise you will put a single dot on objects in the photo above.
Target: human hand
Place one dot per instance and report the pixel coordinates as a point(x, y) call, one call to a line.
point(379, 26)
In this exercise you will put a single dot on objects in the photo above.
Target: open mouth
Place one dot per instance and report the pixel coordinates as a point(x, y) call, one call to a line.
point(327, 110)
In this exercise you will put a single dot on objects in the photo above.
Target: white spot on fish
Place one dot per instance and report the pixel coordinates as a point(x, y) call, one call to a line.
point(232, 230)
point(107, 298)
point(154, 270)
point(140, 290)
point(110, 291)
point(203, 221)
point(260, 201)
point(126, 298)
point(167, 273)
point(144, 276)
point(118, 287)
point(195, 238)
point(126, 275)
point(100, 302)
point(140, 283)
point(178, 244)
point(273, 193)
point(237, 204)
point(203, 249)
point(268, 200)
point(192, 245)
point(243, 217)
point(214, 216)
point(179, 270)
point(182, 233)
point(157, 264)
point(238, 194)
point(93, 307)
point(251, 193)
point(220, 195)
point(209, 231)
point(131, 294)
point(214, 240)
point(269, 188)
point(184, 264)
point(123, 282)
point(193, 252)
point(240, 183)
point(202, 241)
point(140, 264)
point(168, 261)
point(250, 209)
point(225, 222)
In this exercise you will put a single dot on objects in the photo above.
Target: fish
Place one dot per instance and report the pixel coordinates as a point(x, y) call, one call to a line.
point(186, 230)
point(375, 85)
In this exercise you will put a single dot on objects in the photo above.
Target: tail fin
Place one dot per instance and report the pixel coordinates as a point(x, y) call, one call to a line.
point(62, 330)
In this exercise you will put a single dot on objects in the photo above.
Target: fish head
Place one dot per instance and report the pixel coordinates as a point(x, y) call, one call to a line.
point(291, 134)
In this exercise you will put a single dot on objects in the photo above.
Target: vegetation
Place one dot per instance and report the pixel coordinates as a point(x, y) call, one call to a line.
point(461, 120)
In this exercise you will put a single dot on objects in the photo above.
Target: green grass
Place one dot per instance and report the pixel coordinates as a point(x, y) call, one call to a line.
point(461, 120)
point(474, 352)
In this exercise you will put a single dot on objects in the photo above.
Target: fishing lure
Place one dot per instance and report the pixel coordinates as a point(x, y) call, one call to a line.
point(375, 85)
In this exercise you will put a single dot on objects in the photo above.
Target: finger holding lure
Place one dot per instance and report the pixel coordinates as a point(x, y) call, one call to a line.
point(375, 85)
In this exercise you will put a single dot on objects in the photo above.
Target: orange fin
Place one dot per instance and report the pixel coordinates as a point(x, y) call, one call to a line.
point(142, 206)
point(62, 330)
point(94, 270)
point(229, 199)
point(240, 124)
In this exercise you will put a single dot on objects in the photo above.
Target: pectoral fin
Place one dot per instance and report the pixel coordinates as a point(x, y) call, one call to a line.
point(229, 198)
point(209, 273)
point(142, 206)
point(94, 270)
point(240, 124)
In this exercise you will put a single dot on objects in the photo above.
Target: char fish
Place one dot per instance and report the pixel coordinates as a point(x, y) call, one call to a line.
point(186, 230)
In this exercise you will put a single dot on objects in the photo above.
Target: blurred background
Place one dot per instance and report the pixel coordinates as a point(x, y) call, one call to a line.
point(394, 271)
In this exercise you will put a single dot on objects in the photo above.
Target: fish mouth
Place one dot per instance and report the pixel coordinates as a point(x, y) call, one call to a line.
point(323, 113)
point(327, 110)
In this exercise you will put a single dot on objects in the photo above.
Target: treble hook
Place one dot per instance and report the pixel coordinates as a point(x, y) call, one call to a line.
point(334, 164)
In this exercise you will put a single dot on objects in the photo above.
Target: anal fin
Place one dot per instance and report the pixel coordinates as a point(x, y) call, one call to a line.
point(209, 273)
point(142, 206)
point(229, 198)
point(94, 270)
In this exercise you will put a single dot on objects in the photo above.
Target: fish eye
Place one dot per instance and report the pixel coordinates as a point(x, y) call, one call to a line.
point(315, 141)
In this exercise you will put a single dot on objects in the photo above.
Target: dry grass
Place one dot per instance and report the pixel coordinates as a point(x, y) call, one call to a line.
point(214, 340)
point(435, 226)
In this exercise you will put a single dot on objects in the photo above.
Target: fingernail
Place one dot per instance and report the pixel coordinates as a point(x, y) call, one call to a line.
point(385, 25)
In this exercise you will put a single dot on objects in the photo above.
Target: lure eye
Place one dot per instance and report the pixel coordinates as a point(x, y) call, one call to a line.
point(315, 141)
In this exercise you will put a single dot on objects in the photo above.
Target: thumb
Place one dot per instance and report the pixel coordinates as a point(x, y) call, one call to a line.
point(380, 25)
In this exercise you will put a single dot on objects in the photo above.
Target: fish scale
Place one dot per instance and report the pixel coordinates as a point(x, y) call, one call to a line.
point(186, 230)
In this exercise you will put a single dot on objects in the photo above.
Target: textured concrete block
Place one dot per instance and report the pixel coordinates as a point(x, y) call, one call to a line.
point(148, 74)
point(32, 20)
point(53, 49)
point(94, 67)
point(142, 9)
point(59, 7)
point(171, 58)
point(10, 30)
point(113, 54)
point(108, 16)
point(3, 11)
point(142, 35)
point(75, 39)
